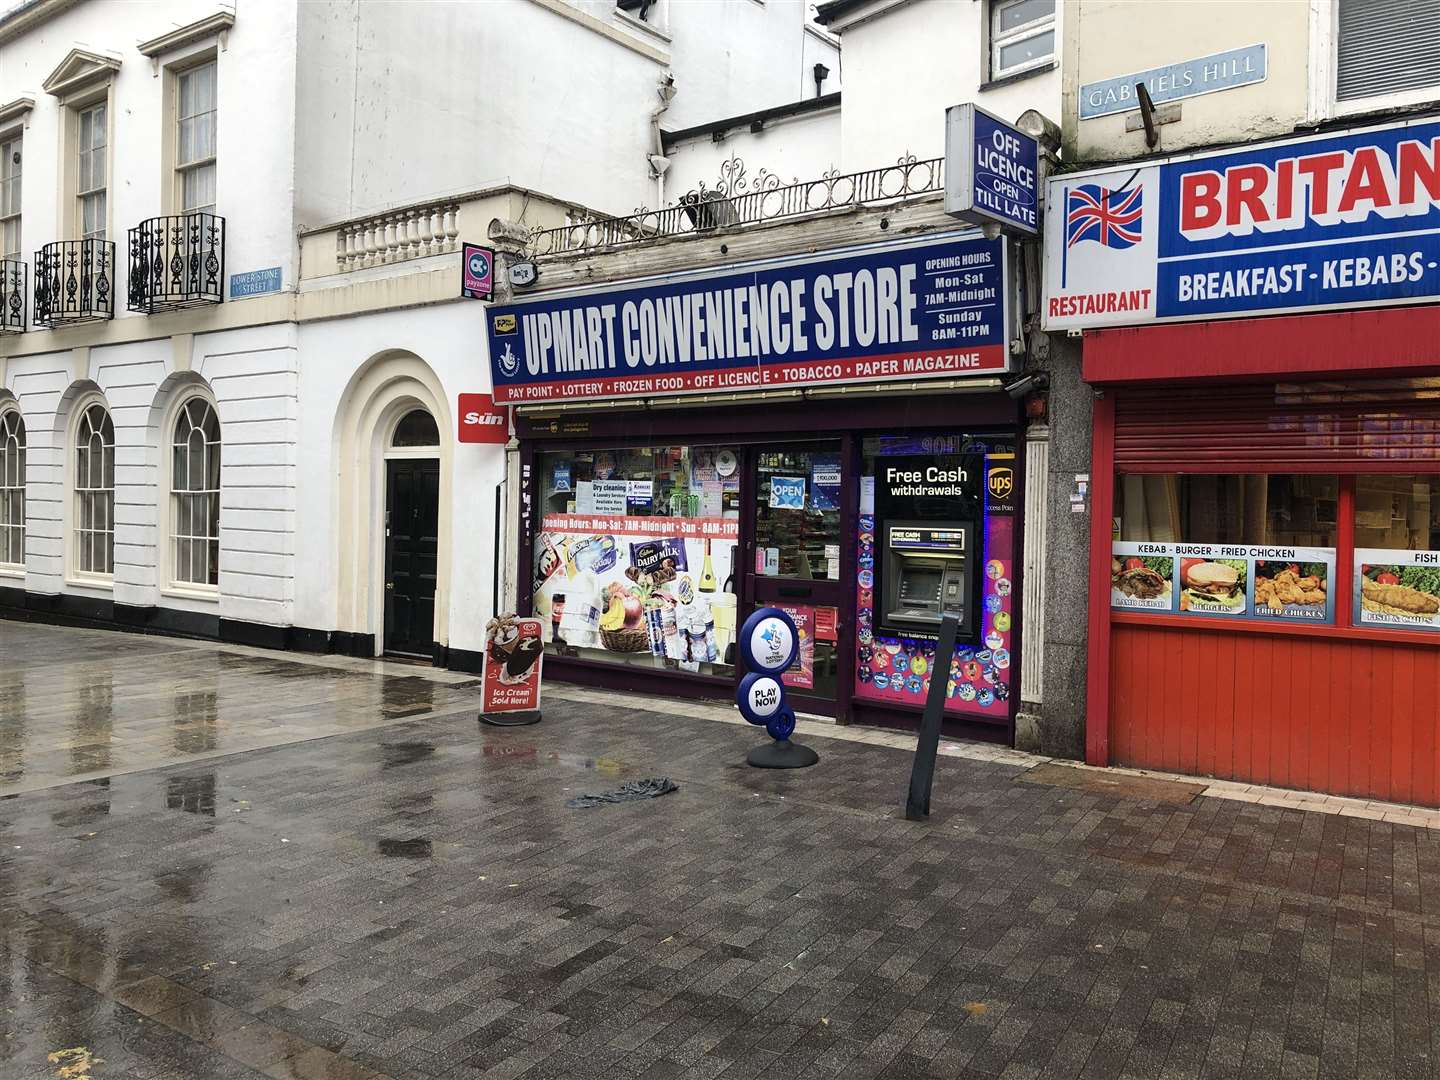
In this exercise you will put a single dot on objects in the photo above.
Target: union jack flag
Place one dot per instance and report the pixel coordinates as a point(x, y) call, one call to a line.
point(1096, 213)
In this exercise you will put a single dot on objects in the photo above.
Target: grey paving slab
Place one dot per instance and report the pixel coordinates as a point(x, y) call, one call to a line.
point(415, 900)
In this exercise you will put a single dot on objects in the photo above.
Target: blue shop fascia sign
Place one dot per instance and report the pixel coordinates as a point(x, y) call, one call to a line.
point(1343, 220)
point(931, 307)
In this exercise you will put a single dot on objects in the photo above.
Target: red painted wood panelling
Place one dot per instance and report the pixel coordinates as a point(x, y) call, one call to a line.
point(1324, 714)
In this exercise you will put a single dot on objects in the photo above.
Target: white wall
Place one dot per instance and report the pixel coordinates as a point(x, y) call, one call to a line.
point(732, 57)
point(255, 123)
point(402, 101)
point(904, 68)
point(450, 340)
point(251, 375)
point(801, 147)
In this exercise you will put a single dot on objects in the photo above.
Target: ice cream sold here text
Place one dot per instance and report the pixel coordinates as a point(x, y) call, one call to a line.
point(824, 433)
point(1265, 562)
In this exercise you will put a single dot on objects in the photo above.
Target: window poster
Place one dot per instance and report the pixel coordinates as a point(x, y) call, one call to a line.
point(825, 482)
point(1397, 588)
point(1227, 580)
point(1142, 575)
point(801, 674)
point(637, 588)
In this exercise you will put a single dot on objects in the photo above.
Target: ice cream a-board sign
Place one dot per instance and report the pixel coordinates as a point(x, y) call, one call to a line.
point(513, 655)
point(1239, 581)
point(1397, 589)
point(922, 308)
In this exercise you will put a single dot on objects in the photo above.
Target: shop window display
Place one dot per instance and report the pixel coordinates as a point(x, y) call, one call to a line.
point(1397, 551)
point(1244, 546)
point(634, 561)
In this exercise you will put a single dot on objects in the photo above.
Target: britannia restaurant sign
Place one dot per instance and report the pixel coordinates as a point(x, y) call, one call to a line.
point(1344, 220)
point(927, 308)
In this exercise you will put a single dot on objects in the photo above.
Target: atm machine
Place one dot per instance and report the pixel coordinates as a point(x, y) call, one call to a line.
point(927, 571)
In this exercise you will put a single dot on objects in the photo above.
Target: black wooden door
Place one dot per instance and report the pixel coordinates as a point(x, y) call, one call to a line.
point(412, 527)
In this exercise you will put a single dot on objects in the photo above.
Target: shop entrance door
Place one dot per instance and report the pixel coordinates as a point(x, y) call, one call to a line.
point(412, 527)
point(793, 537)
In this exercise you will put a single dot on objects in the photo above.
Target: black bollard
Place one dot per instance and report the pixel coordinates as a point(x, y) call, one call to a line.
point(922, 772)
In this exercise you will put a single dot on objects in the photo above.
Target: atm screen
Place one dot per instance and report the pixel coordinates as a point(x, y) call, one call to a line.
point(925, 573)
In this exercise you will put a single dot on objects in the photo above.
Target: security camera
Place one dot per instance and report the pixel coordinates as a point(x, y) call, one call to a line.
point(1025, 384)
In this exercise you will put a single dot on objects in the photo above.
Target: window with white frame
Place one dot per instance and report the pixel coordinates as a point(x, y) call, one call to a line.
point(94, 486)
point(12, 488)
point(195, 138)
point(1022, 36)
point(92, 170)
point(10, 197)
point(1387, 47)
point(195, 495)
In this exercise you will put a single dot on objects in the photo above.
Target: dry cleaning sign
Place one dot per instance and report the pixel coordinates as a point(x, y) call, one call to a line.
point(894, 311)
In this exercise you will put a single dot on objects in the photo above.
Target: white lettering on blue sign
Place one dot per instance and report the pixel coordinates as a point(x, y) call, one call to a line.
point(1190, 78)
point(935, 307)
point(992, 171)
point(255, 282)
point(1342, 220)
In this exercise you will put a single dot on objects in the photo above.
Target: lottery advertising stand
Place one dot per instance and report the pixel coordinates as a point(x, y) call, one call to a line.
point(770, 643)
point(510, 684)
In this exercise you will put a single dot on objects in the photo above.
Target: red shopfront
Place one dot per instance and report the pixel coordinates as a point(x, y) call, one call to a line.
point(1281, 477)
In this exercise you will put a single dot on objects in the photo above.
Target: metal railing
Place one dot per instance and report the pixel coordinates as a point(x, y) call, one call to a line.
point(176, 261)
point(12, 296)
point(409, 233)
point(738, 200)
point(74, 282)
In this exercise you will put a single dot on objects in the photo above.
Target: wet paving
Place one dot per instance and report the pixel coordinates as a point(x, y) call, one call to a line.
point(82, 703)
point(416, 900)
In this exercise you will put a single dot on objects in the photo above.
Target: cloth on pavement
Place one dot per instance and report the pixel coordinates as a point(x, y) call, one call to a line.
point(650, 788)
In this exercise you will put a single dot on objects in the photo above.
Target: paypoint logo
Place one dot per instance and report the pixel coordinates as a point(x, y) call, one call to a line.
point(504, 324)
point(1001, 481)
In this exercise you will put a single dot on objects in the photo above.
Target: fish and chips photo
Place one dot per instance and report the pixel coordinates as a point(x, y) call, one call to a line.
point(1403, 593)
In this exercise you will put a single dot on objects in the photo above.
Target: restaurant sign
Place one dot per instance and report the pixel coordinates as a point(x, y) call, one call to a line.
point(1344, 220)
point(927, 308)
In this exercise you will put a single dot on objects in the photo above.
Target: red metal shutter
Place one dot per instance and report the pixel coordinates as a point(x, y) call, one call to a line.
point(1376, 426)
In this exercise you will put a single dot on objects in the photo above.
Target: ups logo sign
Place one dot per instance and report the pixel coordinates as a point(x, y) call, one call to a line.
point(1001, 481)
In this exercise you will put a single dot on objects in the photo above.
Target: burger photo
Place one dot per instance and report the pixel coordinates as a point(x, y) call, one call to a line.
point(1210, 585)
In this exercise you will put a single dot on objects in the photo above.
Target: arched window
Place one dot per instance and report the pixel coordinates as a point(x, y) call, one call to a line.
point(416, 428)
point(95, 492)
point(12, 488)
point(195, 495)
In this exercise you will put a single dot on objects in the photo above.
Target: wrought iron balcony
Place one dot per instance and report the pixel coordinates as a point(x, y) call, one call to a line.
point(177, 261)
point(74, 282)
point(12, 296)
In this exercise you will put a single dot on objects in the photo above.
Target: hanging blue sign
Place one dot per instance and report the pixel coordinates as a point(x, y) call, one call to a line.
point(992, 171)
point(924, 308)
point(1342, 220)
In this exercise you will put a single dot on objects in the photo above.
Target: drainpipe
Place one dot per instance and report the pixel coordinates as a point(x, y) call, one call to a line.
point(659, 163)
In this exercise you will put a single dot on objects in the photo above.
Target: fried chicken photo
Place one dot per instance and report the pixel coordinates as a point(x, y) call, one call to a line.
point(1287, 587)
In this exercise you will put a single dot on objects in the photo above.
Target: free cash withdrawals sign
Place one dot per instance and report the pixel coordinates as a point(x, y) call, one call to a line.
point(1343, 220)
point(927, 308)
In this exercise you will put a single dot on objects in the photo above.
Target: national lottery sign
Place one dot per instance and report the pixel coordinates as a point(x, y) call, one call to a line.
point(1342, 220)
point(926, 308)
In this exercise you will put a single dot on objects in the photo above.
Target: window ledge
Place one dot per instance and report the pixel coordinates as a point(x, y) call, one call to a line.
point(12, 570)
point(209, 593)
point(106, 584)
point(1019, 76)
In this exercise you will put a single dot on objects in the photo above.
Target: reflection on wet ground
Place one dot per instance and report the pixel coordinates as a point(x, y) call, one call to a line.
point(78, 703)
point(417, 901)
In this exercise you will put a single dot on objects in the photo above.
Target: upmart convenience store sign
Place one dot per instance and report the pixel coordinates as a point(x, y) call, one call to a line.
point(919, 309)
point(1344, 220)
